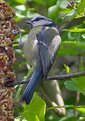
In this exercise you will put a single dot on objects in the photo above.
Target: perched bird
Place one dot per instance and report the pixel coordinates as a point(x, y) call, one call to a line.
point(39, 49)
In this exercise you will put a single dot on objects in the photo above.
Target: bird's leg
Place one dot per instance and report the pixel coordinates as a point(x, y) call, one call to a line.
point(21, 42)
point(20, 34)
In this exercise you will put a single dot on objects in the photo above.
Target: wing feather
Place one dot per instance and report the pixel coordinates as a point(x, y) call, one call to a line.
point(49, 42)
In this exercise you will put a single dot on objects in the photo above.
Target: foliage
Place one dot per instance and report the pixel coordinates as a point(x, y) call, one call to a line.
point(62, 12)
point(35, 111)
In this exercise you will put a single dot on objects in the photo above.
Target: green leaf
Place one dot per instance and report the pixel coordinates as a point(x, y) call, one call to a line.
point(51, 2)
point(80, 82)
point(17, 2)
point(67, 68)
point(75, 30)
point(68, 119)
point(81, 7)
point(83, 36)
point(81, 64)
point(52, 11)
point(21, 1)
point(41, 2)
point(35, 111)
point(77, 84)
point(81, 109)
point(72, 14)
point(72, 48)
point(71, 85)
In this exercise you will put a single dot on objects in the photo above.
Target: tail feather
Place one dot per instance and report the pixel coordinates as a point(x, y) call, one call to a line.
point(29, 91)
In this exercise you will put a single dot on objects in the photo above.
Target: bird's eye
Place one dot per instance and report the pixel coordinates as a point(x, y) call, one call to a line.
point(37, 19)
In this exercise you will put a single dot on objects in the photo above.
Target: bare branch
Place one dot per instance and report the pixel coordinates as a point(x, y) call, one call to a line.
point(57, 77)
point(71, 23)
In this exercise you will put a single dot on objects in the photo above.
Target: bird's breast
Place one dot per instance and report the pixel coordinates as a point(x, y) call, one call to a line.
point(30, 49)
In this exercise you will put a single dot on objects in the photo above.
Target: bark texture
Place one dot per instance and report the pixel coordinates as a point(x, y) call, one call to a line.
point(8, 31)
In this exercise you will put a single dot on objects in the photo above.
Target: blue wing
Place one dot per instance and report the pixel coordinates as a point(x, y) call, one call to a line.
point(48, 43)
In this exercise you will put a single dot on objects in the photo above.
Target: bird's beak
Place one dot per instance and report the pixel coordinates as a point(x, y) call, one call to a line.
point(29, 22)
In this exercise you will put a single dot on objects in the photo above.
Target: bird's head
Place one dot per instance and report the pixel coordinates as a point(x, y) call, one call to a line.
point(41, 21)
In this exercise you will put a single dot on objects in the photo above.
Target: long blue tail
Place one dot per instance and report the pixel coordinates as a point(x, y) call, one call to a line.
point(29, 91)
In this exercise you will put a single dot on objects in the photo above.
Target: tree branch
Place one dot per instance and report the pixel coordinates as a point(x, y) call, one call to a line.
point(57, 77)
point(71, 23)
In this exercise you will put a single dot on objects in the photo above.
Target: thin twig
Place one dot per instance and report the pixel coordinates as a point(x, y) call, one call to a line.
point(78, 93)
point(67, 76)
point(71, 23)
point(57, 77)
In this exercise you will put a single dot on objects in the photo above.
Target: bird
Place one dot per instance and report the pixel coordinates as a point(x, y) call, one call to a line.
point(40, 50)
